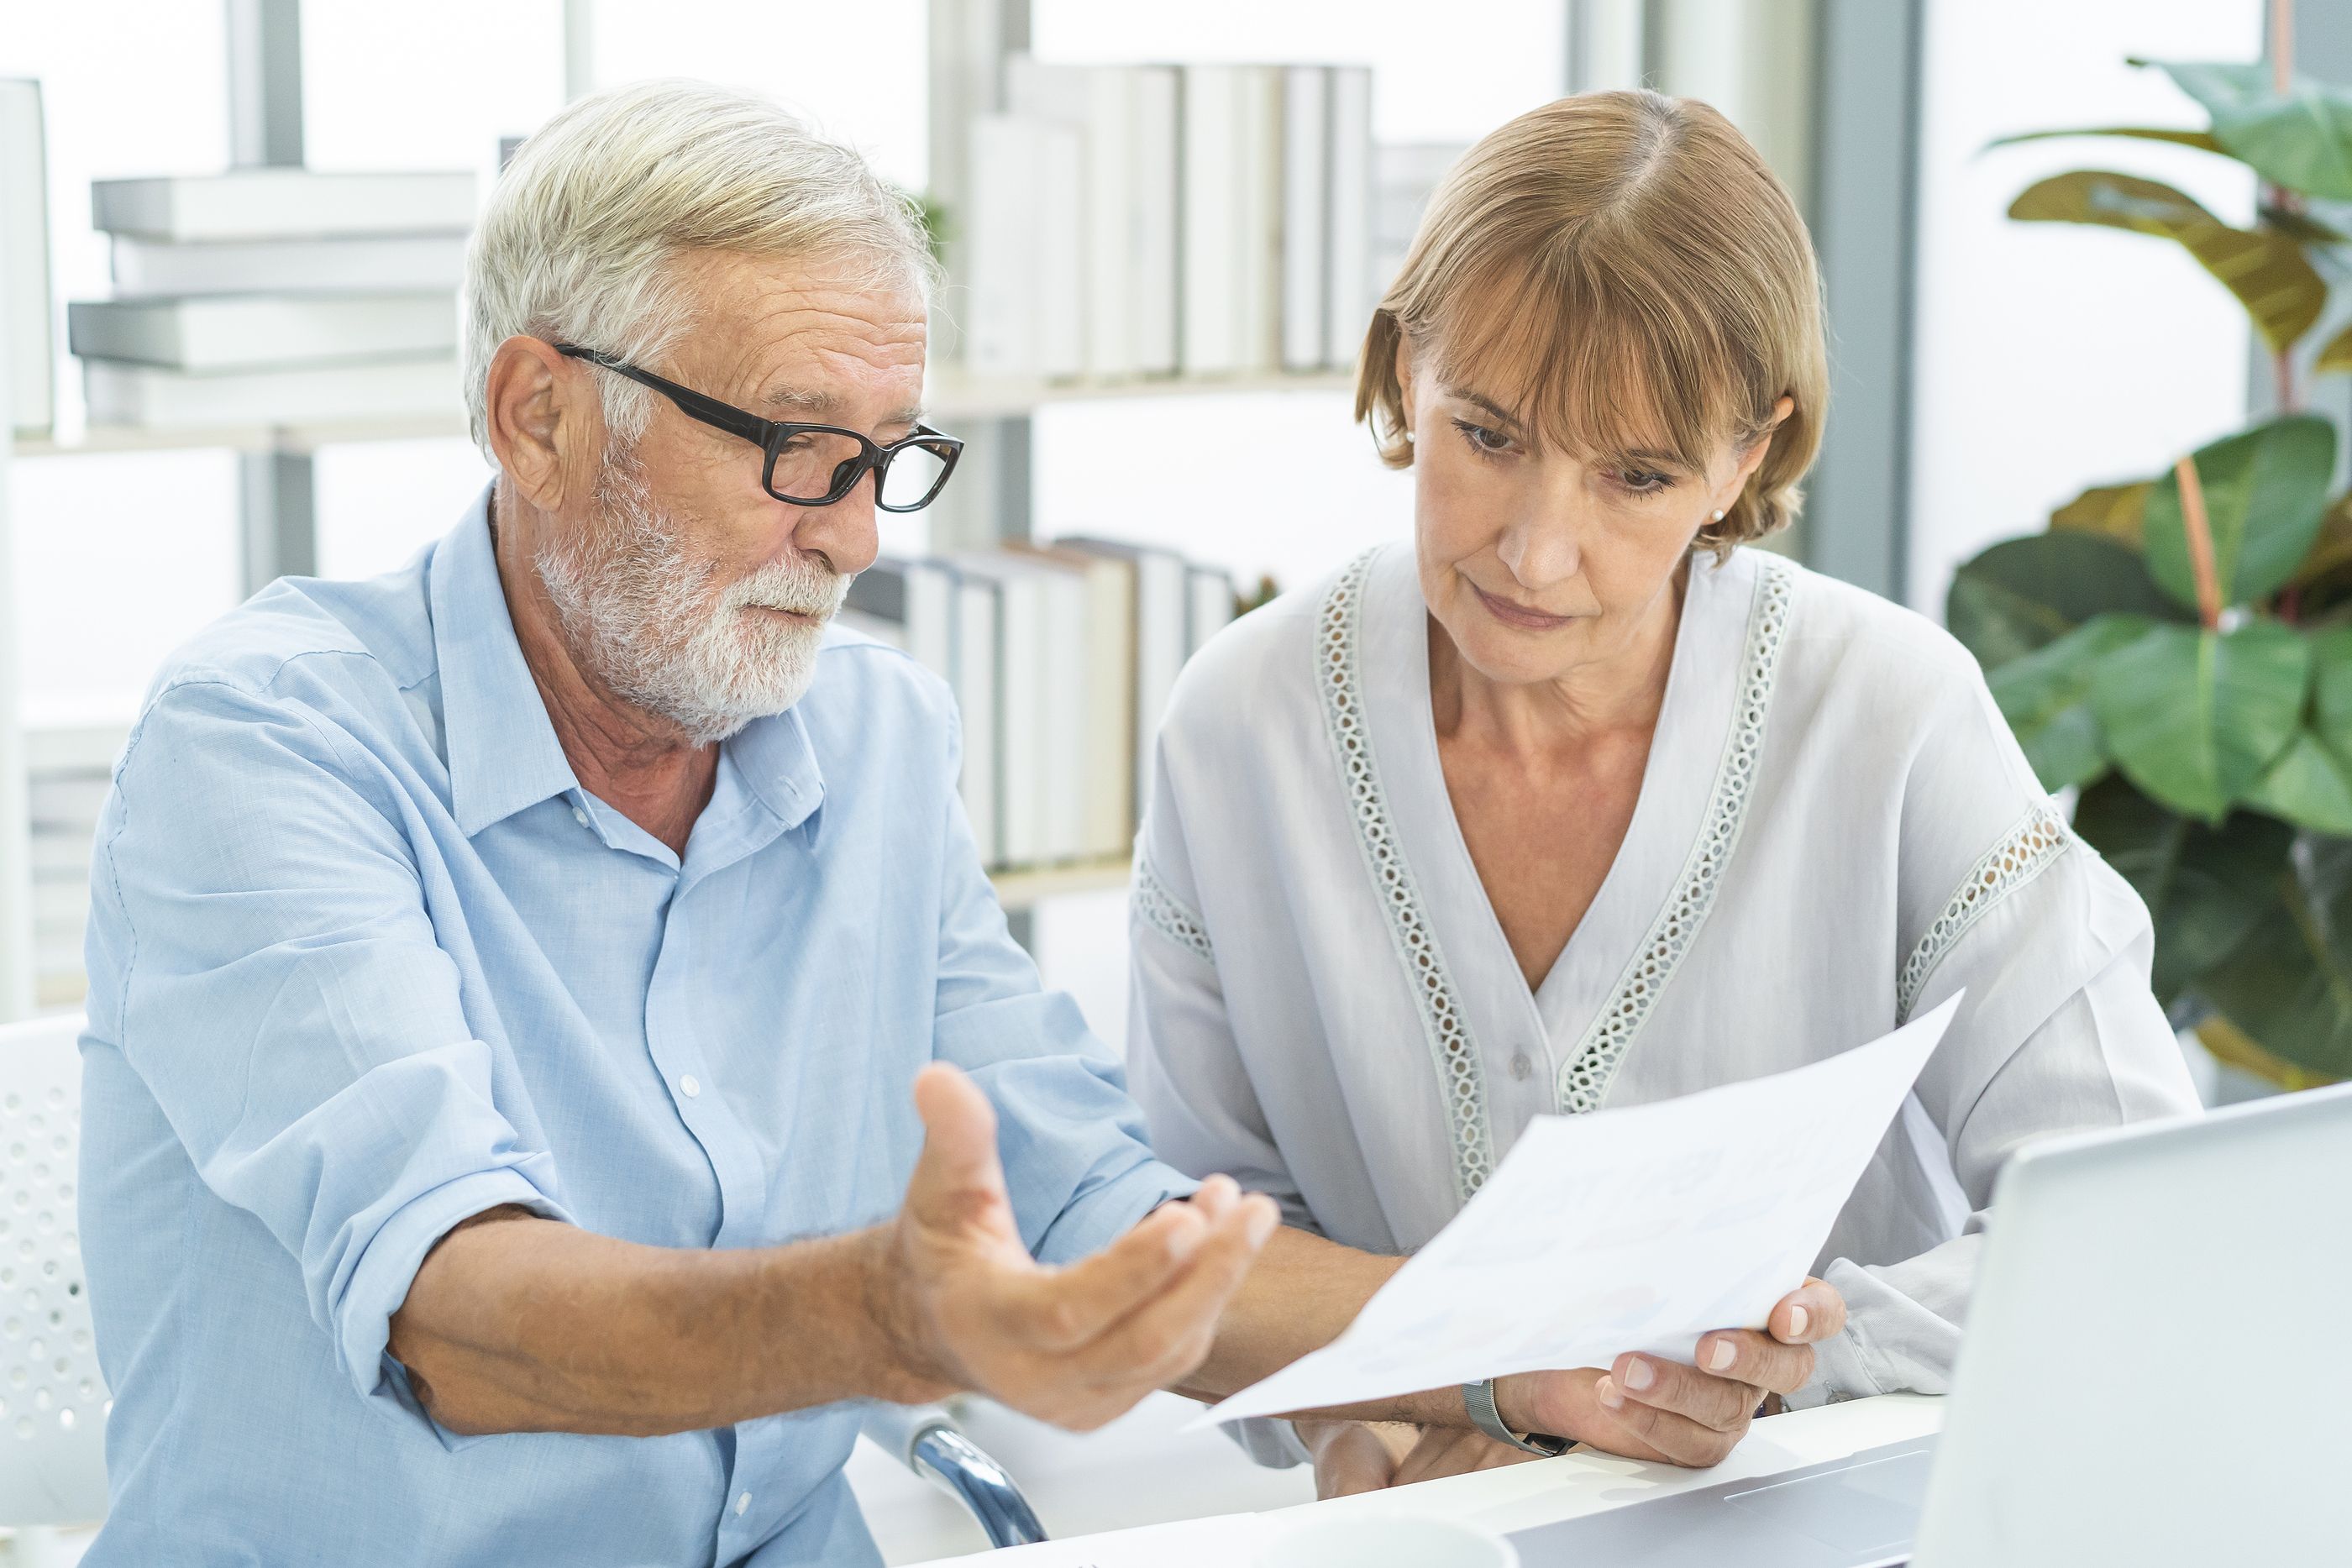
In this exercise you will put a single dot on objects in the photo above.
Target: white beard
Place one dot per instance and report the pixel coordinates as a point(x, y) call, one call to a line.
point(644, 617)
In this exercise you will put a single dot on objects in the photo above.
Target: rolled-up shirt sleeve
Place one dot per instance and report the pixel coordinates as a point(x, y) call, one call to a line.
point(1077, 1166)
point(281, 995)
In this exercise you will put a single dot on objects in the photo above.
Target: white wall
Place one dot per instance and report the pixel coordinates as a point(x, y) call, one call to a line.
point(2051, 357)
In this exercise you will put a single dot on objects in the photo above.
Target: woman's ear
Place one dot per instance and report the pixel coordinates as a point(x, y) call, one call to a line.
point(1752, 457)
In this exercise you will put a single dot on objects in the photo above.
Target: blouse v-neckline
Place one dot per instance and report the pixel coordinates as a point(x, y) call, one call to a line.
point(1579, 1020)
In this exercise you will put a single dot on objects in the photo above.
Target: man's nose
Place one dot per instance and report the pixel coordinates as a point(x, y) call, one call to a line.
point(844, 533)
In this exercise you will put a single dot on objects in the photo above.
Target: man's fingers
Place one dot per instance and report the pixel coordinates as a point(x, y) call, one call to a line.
point(1744, 1355)
point(1064, 1309)
point(1708, 1400)
point(1168, 1335)
point(1808, 1314)
point(1674, 1437)
point(957, 1179)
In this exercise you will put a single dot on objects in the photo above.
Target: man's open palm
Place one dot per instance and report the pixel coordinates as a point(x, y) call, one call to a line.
point(1075, 1346)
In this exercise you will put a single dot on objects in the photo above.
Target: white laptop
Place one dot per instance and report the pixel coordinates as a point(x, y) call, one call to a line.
point(2158, 1372)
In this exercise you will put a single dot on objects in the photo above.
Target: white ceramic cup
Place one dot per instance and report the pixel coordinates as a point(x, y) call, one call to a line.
point(1392, 1541)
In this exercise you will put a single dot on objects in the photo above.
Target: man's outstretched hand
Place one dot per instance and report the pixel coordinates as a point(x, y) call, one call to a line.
point(964, 1306)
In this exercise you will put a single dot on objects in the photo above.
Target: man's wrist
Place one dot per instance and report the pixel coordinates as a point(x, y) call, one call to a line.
point(909, 1364)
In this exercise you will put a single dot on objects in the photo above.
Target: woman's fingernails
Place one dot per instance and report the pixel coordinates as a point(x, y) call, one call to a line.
point(1798, 1318)
point(1638, 1375)
point(1607, 1389)
point(1720, 1358)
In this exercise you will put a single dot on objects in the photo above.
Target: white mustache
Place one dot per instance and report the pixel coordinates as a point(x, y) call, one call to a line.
point(796, 586)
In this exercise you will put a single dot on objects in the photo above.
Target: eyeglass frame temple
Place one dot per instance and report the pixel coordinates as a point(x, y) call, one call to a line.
point(770, 435)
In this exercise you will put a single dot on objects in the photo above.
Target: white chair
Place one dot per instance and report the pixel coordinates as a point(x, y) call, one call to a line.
point(53, 1399)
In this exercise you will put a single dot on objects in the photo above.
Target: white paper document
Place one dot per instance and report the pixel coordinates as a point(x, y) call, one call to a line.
point(1636, 1229)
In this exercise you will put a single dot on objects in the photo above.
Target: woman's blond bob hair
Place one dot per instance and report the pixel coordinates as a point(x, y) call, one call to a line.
point(1621, 271)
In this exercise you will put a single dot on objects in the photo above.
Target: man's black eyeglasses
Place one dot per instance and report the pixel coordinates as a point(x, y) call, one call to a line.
point(812, 464)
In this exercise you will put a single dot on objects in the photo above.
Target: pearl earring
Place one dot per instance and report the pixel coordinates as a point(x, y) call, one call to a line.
point(1718, 516)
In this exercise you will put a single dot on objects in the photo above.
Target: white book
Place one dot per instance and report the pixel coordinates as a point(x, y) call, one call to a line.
point(1098, 102)
point(1027, 302)
point(1154, 206)
point(1352, 290)
point(27, 347)
point(1259, 217)
point(369, 264)
point(282, 203)
point(1107, 720)
point(258, 331)
point(916, 598)
point(1022, 702)
point(1306, 217)
point(1160, 608)
point(978, 634)
point(1209, 608)
point(157, 398)
point(1212, 317)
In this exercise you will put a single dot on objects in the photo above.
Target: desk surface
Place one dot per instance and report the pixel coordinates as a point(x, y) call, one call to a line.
point(1515, 1496)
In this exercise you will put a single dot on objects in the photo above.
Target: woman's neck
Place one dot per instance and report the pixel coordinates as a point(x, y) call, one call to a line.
point(1617, 692)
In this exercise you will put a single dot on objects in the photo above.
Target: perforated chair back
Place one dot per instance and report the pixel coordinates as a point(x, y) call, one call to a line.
point(53, 1400)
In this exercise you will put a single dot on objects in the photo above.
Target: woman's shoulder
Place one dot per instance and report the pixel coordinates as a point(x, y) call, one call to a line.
point(1871, 638)
point(1261, 668)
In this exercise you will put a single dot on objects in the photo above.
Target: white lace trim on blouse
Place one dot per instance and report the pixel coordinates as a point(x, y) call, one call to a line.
point(1583, 1082)
point(2021, 856)
point(1452, 1050)
point(1169, 914)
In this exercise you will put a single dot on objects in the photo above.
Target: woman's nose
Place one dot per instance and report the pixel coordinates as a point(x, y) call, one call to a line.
point(1542, 552)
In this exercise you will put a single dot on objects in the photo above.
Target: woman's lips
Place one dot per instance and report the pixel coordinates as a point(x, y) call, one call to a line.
point(1512, 613)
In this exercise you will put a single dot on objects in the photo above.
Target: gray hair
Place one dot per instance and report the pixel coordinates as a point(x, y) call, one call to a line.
point(577, 242)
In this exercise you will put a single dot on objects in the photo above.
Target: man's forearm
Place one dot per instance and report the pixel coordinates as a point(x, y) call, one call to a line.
point(516, 1324)
point(1303, 1293)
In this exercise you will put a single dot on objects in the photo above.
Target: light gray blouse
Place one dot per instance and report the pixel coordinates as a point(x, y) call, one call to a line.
point(1835, 828)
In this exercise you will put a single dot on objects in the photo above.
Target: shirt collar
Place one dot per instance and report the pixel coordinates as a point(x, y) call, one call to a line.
point(777, 763)
point(502, 750)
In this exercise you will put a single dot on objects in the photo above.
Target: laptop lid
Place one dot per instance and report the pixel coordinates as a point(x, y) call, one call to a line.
point(2157, 1367)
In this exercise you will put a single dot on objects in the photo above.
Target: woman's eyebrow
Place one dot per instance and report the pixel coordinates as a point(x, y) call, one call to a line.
point(1491, 406)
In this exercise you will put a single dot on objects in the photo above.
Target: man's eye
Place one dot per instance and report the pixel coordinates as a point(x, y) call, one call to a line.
point(1482, 439)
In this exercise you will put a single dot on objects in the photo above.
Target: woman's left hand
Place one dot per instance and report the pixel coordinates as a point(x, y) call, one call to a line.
point(1647, 1408)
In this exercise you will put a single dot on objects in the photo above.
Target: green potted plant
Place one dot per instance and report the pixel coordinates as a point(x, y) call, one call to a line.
point(2178, 648)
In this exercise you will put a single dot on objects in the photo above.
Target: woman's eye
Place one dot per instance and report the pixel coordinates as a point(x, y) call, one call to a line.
point(1481, 439)
point(1643, 481)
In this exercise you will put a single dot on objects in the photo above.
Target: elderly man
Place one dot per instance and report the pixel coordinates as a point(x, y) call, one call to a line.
point(553, 1050)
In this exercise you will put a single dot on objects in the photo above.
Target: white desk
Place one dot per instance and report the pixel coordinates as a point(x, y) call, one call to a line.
point(1517, 1497)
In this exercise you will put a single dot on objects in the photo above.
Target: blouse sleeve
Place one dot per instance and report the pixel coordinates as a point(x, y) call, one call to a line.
point(2059, 1032)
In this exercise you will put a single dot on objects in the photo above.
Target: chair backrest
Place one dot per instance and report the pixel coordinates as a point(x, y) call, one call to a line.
point(53, 1399)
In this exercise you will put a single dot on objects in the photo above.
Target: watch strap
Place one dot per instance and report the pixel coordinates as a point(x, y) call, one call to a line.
point(1478, 1398)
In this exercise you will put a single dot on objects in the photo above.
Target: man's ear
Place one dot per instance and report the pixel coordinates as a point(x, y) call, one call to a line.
point(541, 417)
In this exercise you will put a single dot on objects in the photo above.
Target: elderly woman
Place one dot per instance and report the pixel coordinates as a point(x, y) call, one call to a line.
point(1578, 801)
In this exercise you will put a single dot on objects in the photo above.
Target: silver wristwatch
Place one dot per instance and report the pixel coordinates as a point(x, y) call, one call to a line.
point(1478, 1398)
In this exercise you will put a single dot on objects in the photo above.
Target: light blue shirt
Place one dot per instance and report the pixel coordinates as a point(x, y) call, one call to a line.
point(366, 959)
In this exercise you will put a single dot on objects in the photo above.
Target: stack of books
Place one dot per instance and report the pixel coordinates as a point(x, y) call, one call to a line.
point(1061, 658)
point(269, 295)
point(1135, 221)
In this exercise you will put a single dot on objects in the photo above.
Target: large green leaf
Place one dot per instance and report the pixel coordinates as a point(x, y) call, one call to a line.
point(2202, 140)
point(2116, 510)
point(2197, 717)
point(2301, 140)
point(2308, 786)
point(2335, 354)
point(2266, 493)
point(2206, 888)
point(2289, 984)
point(2025, 592)
point(2046, 697)
point(2268, 272)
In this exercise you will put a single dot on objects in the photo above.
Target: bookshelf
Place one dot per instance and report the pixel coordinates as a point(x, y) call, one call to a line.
point(969, 43)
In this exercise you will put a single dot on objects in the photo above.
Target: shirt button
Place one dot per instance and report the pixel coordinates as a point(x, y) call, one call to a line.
point(1521, 1067)
point(579, 816)
point(743, 1501)
point(691, 1086)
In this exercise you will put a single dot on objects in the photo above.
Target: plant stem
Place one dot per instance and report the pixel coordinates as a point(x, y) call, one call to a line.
point(2199, 529)
point(2281, 20)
